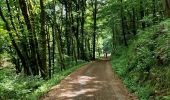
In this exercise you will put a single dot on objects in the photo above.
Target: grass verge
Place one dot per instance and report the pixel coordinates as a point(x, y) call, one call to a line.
point(19, 87)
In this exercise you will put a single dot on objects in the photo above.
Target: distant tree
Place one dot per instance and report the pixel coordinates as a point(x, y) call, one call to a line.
point(123, 24)
point(94, 27)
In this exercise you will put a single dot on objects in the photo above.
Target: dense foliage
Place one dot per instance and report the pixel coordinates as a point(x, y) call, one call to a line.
point(17, 87)
point(144, 66)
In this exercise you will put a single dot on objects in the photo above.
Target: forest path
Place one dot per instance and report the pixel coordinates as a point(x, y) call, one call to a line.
point(94, 81)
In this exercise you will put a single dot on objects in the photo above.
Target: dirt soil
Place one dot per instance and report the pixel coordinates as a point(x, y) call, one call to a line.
point(94, 81)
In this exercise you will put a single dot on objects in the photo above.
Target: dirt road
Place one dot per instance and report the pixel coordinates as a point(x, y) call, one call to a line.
point(94, 81)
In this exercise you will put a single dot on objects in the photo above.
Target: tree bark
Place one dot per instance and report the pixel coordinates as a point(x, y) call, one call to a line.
point(33, 58)
point(58, 31)
point(95, 28)
point(142, 13)
point(49, 52)
point(134, 21)
point(43, 42)
point(123, 24)
point(167, 7)
point(154, 10)
point(32, 18)
point(77, 28)
point(83, 56)
point(67, 28)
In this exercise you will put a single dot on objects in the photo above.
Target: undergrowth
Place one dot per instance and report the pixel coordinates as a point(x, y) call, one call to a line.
point(19, 87)
point(144, 66)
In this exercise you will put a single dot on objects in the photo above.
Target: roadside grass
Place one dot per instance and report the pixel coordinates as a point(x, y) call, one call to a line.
point(19, 87)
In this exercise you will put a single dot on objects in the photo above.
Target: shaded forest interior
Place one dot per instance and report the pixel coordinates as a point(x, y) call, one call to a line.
point(44, 38)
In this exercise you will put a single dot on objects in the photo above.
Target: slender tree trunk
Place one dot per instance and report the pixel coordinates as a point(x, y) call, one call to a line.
point(167, 7)
point(154, 10)
point(49, 51)
point(83, 56)
point(123, 24)
point(61, 60)
point(43, 42)
point(142, 13)
point(113, 39)
point(95, 27)
point(73, 32)
point(67, 28)
point(77, 29)
point(134, 21)
point(58, 31)
point(53, 48)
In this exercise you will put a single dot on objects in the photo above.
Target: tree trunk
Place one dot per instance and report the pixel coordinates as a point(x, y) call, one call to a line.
point(95, 27)
point(67, 28)
point(83, 56)
point(77, 29)
point(154, 10)
point(134, 21)
point(53, 48)
point(24, 40)
point(58, 31)
point(167, 7)
point(142, 13)
point(49, 51)
point(61, 59)
point(33, 58)
point(123, 24)
point(32, 18)
point(43, 43)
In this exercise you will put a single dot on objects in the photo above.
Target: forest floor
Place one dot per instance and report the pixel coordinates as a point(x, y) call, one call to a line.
point(94, 81)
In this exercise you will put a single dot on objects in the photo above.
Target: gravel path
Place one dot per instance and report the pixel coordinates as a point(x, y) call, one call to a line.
point(94, 81)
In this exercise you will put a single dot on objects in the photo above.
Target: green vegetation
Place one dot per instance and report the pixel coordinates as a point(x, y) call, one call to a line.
point(41, 41)
point(144, 66)
point(17, 87)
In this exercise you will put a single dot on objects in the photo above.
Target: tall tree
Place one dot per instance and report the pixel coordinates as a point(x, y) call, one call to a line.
point(142, 13)
point(33, 58)
point(95, 28)
point(82, 47)
point(57, 31)
point(67, 34)
point(43, 42)
point(77, 28)
point(134, 30)
point(123, 23)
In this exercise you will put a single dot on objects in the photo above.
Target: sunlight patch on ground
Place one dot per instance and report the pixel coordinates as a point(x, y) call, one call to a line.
point(77, 93)
point(83, 80)
point(80, 81)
